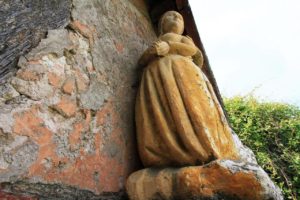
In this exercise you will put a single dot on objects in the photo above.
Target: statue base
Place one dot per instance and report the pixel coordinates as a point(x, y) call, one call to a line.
point(220, 179)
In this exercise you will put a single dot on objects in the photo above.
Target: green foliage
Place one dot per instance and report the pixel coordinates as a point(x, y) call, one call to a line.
point(272, 131)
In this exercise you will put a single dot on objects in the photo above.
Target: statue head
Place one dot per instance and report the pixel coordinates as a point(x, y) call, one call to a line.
point(171, 22)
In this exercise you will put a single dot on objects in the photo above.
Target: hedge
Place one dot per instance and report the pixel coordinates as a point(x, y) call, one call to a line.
point(272, 131)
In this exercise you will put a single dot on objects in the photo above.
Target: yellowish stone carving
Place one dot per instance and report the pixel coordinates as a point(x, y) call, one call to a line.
point(178, 117)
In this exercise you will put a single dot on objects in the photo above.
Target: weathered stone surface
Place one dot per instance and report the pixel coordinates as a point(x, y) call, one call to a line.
point(21, 190)
point(245, 154)
point(7, 92)
point(222, 179)
point(67, 120)
point(23, 24)
point(10, 196)
point(69, 86)
point(66, 106)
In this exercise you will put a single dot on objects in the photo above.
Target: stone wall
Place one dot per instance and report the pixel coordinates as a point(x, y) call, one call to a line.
point(66, 120)
point(22, 25)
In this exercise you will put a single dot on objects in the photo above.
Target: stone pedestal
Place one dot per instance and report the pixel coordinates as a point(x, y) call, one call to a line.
point(221, 179)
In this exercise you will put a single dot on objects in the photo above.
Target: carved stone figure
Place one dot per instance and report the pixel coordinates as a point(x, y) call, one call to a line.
point(178, 117)
point(184, 140)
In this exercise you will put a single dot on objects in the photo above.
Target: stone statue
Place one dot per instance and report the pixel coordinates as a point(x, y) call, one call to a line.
point(179, 120)
point(184, 140)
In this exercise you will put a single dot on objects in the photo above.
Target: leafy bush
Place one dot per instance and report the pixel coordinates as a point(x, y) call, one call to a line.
point(272, 131)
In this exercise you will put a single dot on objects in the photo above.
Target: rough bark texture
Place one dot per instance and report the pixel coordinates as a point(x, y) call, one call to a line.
point(66, 120)
point(22, 25)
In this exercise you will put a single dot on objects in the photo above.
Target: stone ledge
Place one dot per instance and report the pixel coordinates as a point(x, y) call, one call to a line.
point(221, 179)
point(31, 191)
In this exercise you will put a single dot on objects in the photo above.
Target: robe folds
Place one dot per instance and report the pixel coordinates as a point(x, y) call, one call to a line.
point(179, 120)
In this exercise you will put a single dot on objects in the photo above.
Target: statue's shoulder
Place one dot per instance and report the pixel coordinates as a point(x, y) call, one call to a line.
point(171, 37)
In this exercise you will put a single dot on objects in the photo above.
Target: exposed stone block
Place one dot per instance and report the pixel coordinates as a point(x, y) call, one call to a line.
point(66, 106)
point(218, 180)
point(69, 86)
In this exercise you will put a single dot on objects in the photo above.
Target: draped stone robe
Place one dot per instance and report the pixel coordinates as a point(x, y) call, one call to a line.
point(179, 120)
